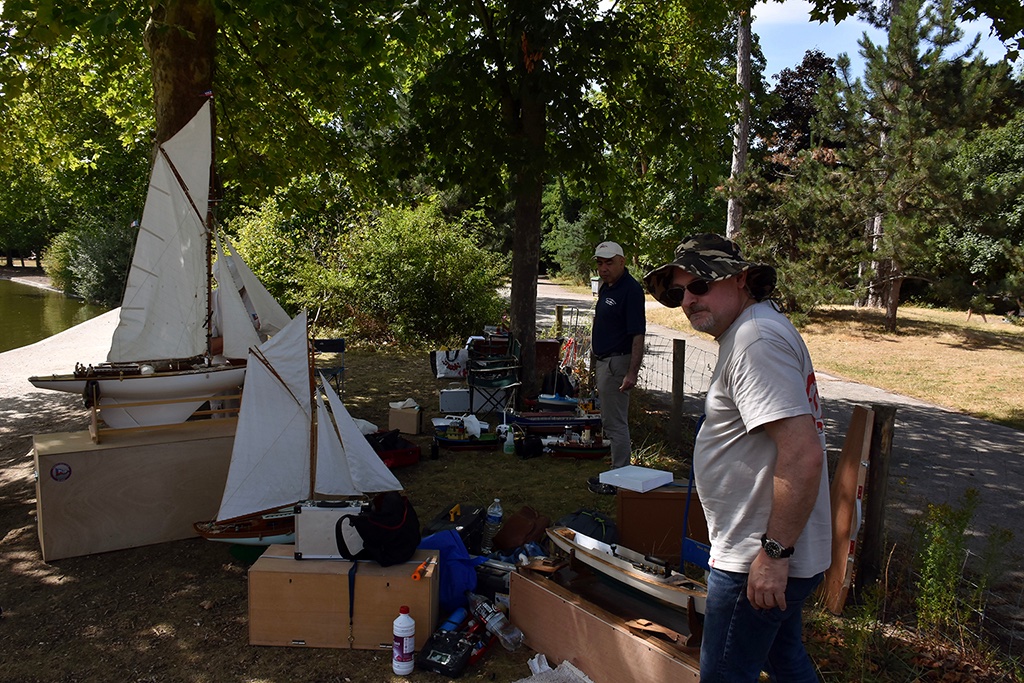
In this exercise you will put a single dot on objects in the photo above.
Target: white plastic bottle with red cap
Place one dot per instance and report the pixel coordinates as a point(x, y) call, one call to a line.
point(405, 642)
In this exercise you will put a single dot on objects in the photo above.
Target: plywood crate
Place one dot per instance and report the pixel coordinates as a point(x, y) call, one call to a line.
point(652, 522)
point(134, 488)
point(305, 603)
point(565, 626)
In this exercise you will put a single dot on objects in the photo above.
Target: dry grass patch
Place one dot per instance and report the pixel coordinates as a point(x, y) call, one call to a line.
point(974, 367)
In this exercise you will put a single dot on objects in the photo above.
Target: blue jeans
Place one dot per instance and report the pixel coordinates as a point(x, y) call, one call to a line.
point(739, 640)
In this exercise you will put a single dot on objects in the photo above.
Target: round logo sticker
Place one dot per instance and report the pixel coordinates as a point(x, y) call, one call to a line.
point(60, 472)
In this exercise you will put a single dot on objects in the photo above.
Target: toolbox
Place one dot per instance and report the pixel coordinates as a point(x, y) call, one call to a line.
point(393, 449)
point(315, 521)
point(467, 520)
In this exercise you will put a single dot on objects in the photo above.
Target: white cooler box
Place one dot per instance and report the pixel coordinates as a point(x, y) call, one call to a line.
point(456, 400)
point(315, 537)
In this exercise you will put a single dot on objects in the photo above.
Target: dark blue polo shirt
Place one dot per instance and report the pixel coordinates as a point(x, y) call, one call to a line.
point(619, 316)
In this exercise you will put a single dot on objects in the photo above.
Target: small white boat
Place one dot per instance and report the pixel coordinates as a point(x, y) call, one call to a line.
point(648, 575)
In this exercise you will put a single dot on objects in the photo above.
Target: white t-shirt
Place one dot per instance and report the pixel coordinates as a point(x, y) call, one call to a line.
point(764, 374)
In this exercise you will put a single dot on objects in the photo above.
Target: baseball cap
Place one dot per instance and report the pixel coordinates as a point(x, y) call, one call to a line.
point(608, 250)
point(710, 257)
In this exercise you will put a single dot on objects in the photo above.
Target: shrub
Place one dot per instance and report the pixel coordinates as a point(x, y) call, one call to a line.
point(419, 277)
point(57, 258)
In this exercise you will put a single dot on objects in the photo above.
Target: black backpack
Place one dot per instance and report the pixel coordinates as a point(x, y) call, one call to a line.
point(387, 532)
point(593, 523)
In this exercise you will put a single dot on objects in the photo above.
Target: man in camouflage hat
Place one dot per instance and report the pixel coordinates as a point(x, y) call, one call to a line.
point(759, 464)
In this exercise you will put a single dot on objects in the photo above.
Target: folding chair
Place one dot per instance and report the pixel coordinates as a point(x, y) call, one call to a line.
point(334, 369)
point(494, 379)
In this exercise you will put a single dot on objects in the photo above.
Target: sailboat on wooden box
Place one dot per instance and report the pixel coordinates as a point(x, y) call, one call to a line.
point(289, 448)
point(160, 354)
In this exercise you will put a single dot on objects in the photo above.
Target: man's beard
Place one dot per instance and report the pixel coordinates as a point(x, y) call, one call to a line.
point(705, 321)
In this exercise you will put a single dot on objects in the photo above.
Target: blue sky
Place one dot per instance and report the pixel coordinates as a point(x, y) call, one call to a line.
point(786, 33)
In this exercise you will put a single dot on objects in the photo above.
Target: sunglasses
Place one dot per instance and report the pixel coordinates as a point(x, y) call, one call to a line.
point(674, 295)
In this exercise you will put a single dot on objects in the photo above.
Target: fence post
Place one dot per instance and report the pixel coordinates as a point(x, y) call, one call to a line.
point(876, 492)
point(558, 320)
point(675, 424)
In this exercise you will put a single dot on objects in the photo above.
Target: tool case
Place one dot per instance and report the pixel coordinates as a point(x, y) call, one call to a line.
point(393, 449)
point(467, 520)
point(315, 521)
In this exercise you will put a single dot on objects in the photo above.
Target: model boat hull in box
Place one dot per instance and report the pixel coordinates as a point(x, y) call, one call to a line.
point(646, 574)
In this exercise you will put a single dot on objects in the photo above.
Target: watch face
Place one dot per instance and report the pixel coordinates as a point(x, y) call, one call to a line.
point(773, 549)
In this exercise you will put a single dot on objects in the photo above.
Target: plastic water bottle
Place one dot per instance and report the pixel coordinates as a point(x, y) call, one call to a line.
point(491, 525)
point(495, 622)
point(510, 443)
point(405, 642)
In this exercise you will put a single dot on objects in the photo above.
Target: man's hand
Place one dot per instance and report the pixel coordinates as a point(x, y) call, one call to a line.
point(766, 583)
point(628, 382)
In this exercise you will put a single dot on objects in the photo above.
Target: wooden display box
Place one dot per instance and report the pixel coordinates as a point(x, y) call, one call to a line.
point(132, 489)
point(305, 603)
point(565, 626)
point(652, 522)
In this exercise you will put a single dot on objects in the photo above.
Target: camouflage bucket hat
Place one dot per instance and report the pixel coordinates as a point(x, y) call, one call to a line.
point(710, 257)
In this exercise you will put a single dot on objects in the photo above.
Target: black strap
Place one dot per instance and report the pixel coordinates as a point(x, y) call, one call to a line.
point(352, 603)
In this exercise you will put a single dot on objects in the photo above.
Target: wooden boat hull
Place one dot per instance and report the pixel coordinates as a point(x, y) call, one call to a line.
point(165, 395)
point(632, 569)
point(579, 451)
point(260, 529)
point(552, 422)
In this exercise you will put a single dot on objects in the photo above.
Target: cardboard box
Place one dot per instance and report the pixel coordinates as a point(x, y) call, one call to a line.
point(306, 603)
point(565, 626)
point(406, 420)
point(132, 489)
point(652, 522)
point(635, 478)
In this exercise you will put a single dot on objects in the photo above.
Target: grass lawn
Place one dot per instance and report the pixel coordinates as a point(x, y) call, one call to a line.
point(938, 356)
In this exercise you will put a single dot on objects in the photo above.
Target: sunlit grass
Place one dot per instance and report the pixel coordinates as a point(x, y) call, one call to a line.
point(938, 356)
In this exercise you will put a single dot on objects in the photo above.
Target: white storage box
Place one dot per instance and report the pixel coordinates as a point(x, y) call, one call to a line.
point(635, 478)
point(315, 538)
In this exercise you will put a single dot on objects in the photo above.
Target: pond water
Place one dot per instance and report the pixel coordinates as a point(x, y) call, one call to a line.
point(30, 314)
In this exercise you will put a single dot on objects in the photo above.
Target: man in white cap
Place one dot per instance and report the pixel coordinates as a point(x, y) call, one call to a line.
point(620, 324)
point(759, 464)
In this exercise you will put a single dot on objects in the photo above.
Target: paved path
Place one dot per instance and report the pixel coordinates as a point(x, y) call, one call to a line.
point(937, 454)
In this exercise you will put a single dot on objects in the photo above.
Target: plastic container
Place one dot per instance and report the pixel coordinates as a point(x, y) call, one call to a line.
point(491, 525)
point(405, 643)
point(510, 443)
point(455, 620)
point(495, 621)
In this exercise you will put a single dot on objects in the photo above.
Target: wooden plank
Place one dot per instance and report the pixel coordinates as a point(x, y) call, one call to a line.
point(563, 626)
point(131, 490)
point(846, 494)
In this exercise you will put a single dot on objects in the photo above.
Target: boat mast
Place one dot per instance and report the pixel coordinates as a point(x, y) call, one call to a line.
point(315, 415)
point(209, 229)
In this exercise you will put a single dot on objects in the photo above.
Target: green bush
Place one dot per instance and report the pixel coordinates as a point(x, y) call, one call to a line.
point(412, 276)
point(57, 258)
point(101, 263)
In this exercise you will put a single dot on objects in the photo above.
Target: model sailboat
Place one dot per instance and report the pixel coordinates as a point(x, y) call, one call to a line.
point(160, 352)
point(289, 447)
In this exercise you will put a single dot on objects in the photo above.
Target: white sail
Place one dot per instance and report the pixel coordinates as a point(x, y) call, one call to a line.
point(363, 467)
point(232, 318)
point(270, 460)
point(163, 310)
point(271, 316)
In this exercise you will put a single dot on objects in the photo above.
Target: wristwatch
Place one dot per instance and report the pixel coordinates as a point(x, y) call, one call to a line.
point(774, 549)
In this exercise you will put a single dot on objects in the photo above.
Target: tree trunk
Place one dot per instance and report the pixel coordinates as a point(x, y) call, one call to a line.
point(181, 39)
point(741, 131)
point(892, 300)
point(528, 189)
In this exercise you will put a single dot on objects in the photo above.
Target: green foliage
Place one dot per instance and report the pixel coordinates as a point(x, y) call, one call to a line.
point(412, 276)
point(100, 264)
point(57, 260)
point(943, 559)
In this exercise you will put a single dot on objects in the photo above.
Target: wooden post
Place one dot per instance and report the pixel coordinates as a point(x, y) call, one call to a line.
point(872, 553)
point(675, 427)
point(558, 320)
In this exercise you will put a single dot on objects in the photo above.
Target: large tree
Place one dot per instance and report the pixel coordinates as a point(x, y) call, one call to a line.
point(900, 129)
